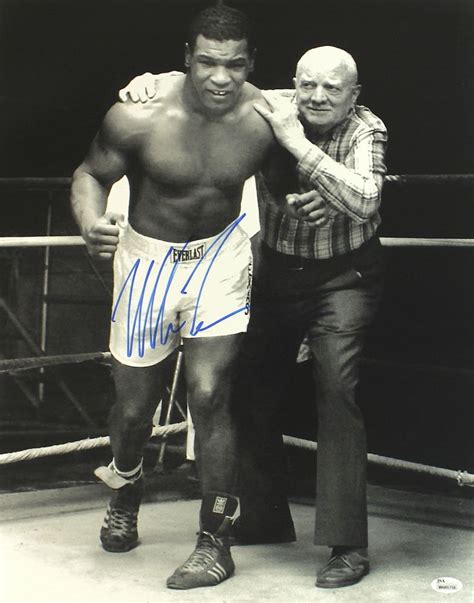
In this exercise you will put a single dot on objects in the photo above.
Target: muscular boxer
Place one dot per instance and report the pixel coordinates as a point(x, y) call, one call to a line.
point(182, 269)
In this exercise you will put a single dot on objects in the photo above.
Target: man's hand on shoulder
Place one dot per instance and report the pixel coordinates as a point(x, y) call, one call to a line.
point(282, 115)
point(139, 89)
point(143, 87)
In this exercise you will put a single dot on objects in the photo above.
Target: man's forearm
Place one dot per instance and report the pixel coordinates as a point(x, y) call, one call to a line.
point(354, 188)
point(88, 199)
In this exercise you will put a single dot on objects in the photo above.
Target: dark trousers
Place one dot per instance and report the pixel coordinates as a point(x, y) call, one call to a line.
point(333, 302)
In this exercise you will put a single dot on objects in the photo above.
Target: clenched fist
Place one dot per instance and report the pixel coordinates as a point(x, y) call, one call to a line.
point(102, 236)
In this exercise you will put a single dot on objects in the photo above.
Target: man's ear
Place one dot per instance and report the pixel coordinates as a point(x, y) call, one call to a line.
point(253, 55)
point(187, 55)
point(355, 93)
point(294, 82)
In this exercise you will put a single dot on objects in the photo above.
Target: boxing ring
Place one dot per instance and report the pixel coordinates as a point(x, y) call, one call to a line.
point(399, 539)
point(40, 360)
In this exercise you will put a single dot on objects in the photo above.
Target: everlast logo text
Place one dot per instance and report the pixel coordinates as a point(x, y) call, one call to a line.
point(190, 254)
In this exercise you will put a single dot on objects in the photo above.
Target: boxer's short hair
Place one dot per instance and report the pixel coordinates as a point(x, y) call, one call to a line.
point(221, 23)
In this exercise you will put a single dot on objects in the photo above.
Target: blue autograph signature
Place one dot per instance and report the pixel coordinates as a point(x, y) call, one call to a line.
point(142, 323)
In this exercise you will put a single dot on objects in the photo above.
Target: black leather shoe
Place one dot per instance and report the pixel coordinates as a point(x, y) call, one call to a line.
point(345, 567)
point(239, 536)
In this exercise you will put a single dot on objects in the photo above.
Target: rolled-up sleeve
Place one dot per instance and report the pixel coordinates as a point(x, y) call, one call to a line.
point(353, 187)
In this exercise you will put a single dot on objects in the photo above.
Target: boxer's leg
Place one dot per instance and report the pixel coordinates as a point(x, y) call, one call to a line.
point(209, 369)
point(137, 393)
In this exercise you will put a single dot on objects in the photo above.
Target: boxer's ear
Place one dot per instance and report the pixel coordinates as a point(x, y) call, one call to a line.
point(187, 55)
point(252, 57)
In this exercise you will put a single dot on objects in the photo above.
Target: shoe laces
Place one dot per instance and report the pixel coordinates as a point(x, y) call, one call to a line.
point(204, 552)
point(121, 520)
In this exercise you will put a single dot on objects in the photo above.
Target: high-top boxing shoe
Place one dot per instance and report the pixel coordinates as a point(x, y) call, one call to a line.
point(210, 563)
point(119, 532)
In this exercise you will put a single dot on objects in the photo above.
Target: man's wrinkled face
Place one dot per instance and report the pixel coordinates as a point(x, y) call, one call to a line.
point(325, 95)
point(218, 70)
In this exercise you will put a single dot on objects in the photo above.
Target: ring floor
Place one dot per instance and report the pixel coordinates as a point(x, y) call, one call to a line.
point(50, 552)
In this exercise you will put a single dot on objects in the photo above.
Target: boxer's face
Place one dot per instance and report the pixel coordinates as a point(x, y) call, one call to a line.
point(218, 70)
point(325, 94)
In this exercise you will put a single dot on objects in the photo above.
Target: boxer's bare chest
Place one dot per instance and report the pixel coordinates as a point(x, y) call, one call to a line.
point(184, 153)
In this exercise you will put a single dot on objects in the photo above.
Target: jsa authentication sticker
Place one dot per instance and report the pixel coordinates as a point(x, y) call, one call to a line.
point(446, 585)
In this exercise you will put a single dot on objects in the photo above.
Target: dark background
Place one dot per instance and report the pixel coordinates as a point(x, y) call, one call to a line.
point(62, 62)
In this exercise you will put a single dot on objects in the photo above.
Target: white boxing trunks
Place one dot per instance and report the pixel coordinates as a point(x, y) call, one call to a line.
point(164, 291)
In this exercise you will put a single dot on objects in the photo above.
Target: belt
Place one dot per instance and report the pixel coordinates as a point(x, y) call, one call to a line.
point(296, 262)
point(333, 265)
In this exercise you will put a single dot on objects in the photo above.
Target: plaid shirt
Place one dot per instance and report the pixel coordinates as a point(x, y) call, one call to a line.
point(346, 166)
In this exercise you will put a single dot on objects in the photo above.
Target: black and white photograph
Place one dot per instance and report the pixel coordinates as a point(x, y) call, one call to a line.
point(236, 301)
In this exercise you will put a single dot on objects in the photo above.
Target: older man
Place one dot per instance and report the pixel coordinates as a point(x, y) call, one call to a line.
point(323, 281)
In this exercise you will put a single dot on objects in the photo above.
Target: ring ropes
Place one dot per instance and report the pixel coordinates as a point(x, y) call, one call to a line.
point(463, 478)
point(76, 241)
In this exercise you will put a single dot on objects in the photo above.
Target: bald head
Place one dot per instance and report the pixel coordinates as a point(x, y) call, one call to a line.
point(331, 59)
point(326, 88)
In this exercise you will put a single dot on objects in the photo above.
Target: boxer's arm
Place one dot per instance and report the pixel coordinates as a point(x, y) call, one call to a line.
point(282, 94)
point(282, 187)
point(104, 164)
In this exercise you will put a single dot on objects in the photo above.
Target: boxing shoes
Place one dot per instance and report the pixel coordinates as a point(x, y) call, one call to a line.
point(211, 562)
